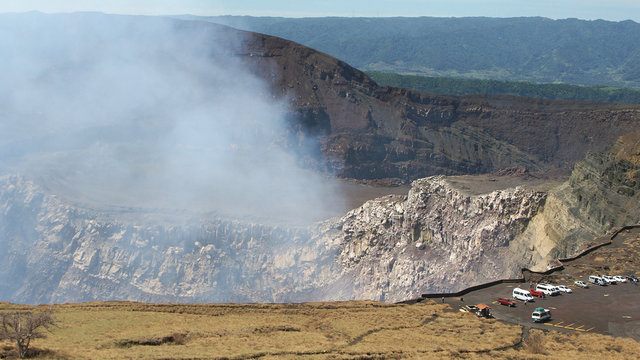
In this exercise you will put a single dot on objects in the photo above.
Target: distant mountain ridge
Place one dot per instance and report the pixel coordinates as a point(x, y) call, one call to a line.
point(531, 49)
point(456, 86)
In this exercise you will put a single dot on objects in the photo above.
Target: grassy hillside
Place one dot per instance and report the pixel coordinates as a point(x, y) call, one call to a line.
point(517, 49)
point(345, 330)
point(439, 85)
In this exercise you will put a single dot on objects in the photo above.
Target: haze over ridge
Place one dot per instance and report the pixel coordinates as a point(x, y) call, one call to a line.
point(148, 112)
point(531, 49)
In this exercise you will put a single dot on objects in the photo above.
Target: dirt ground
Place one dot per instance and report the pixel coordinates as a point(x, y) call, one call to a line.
point(508, 178)
point(611, 310)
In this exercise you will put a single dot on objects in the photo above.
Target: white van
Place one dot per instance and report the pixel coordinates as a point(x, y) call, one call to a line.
point(522, 294)
point(548, 289)
point(540, 315)
point(597, 280)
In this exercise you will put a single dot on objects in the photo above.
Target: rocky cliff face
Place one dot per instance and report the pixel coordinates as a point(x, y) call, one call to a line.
point(369, 132)
point(393, 248)
point(439, 237)
point(53, 251)
point(436, 238)
point(373, 132)
point(442, 236)
point(601, 194)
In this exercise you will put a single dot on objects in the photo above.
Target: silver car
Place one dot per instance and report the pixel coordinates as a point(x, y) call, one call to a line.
point(619, 279)
point(564, 289)
point(581, 284)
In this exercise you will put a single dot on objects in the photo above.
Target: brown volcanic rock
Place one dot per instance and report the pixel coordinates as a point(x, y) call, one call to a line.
point(375, 132)
point(444, 235)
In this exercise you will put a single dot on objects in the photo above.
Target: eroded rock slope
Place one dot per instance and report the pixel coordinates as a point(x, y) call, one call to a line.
point(392, 248)
point(436, 238)
point(601, 194)
point(440, 237)
point(373, 132)
point(52, 251)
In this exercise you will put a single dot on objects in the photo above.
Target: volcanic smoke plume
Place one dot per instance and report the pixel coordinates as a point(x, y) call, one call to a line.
point(147, 112)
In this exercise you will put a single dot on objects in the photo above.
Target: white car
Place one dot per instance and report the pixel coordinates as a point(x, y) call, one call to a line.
point(609, 279)
point(619, 279)
point(581, 284)
point(597, 280)
point(522, 294)
point(564, 289)
point(548, 289)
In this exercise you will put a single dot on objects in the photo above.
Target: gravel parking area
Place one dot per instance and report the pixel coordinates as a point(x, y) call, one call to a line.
point(612, 310)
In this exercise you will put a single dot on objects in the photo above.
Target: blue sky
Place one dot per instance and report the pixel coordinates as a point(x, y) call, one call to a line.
point(557, 9)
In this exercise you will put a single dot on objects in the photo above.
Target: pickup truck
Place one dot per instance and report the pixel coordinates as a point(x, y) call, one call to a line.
point(537, 293)
point(505, 301)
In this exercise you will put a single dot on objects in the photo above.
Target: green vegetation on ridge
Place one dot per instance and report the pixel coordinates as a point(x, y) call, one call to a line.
point(532, 49)
point(453, 86)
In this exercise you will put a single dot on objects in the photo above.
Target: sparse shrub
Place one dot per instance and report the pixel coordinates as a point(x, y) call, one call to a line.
point(534, 344)
point(173, 339)
point(179, 339)
point(22, 327)
point(270, 329)
point(614, 348)
point(453, 354)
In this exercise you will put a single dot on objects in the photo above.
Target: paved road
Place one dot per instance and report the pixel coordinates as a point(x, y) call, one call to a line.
point(612, 310)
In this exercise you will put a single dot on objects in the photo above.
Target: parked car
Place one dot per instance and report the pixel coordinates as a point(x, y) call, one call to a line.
point(597, 280)
point(581, 284)
point(469, 308)
point(632, 278)
point(522, 294)
point(505, 301)
point(619, 279)
point(548, 289)
point(541, 314)
point(564, 289)
point(609, 279)
point(536, 293)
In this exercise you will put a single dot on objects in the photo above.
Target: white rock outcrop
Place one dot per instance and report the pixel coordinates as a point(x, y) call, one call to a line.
point(392, 248)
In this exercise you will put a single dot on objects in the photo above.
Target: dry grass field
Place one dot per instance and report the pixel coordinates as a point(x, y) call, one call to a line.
point(339, 330)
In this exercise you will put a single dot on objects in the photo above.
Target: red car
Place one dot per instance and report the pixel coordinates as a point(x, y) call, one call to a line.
point(536, 293)
point(505, 301)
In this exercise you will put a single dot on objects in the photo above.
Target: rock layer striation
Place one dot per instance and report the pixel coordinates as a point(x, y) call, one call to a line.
point(392, 248)
point(441, 236)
